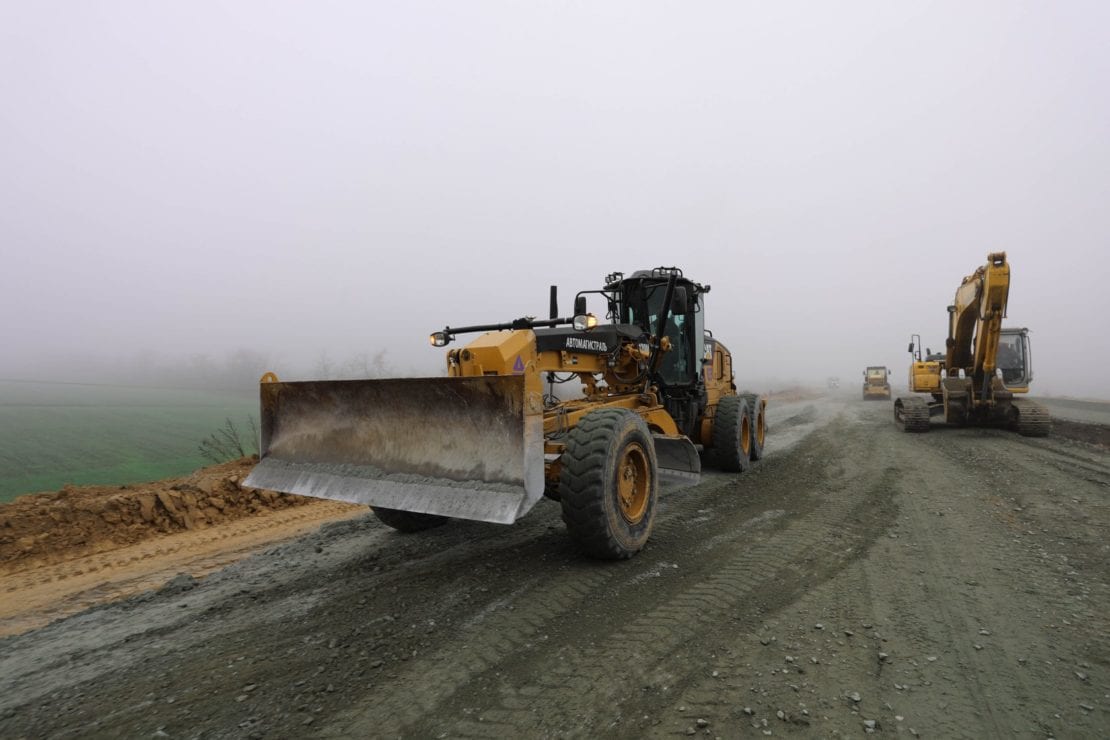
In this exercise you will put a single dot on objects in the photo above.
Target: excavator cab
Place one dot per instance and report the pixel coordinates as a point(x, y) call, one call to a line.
point(1014, 359)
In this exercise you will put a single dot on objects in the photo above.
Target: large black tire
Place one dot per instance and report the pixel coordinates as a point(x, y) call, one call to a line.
point(408, 521)
point(732, 435)
point(758, 425)
point(609, 484)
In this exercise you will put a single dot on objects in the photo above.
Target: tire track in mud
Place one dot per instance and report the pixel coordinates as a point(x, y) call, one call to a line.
point(835, 529)
point(748, 678)
point(507, 633)
point(312, 597)
point(732, 684)
point(794, 669)
point(941, 661)
point(980, 665)
point(1057, 535)
point(991, 684)
point(405, 568)
point(541, 703)
point(484, 643)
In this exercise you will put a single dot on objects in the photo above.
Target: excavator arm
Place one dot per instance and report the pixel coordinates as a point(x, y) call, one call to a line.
point(975, 319)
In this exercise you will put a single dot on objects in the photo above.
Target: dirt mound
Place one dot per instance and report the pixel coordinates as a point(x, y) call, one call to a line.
point(82, 520)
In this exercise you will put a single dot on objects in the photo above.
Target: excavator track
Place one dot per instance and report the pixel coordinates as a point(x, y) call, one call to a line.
point(912, 413)
point(1033, 420)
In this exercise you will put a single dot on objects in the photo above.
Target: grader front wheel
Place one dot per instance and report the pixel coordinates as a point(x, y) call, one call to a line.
point(609, 484)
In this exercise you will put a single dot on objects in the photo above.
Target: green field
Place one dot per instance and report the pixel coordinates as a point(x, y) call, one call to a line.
point(53, 434)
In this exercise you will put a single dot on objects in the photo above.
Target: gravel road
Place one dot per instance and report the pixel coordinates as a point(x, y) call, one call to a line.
point(859, 579)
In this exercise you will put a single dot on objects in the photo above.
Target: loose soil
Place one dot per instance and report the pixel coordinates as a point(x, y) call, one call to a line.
point(65, 551)
point(858, 580)
point(83, 520)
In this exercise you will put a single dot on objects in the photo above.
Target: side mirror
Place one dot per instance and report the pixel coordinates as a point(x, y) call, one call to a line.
point(911, 348)
point(579, 305)
point(679, 302)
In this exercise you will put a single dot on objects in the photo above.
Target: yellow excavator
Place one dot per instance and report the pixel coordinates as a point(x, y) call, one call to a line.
point(656, 394)
point(977, 379)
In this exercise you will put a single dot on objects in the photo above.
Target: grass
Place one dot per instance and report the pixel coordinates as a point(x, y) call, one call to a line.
point(54, 434)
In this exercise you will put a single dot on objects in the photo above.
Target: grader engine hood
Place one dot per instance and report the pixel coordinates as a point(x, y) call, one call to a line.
point(468, 448)
point(602, 340)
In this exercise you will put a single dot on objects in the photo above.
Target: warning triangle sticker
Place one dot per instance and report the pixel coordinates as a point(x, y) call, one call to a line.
point(518, 366)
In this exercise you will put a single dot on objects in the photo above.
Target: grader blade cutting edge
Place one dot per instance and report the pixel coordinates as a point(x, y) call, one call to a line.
point(469, 448)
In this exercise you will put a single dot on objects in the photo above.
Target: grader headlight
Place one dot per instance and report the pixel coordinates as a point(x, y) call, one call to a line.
point(584, 322)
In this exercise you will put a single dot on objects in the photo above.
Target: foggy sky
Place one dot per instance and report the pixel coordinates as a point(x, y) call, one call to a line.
point(342, 177)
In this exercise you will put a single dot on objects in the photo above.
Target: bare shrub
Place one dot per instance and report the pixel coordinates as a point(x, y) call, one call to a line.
point(227, 443)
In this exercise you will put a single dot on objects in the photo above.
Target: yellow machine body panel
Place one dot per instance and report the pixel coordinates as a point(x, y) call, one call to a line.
point(925, 377)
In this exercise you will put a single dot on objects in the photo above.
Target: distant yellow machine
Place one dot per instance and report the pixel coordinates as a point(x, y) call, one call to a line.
point(876, 383)
point(976, 379)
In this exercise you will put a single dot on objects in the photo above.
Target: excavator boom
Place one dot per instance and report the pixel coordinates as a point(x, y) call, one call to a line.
point(975, 318)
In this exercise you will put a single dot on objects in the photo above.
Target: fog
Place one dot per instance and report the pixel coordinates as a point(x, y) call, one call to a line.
point(301, 181)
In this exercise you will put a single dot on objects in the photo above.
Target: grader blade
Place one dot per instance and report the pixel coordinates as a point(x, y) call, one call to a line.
point(679, 464)
point(468, 448)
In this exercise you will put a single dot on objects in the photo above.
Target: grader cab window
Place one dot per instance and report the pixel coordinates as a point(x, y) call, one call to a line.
point(643, 305)
point(675, 365)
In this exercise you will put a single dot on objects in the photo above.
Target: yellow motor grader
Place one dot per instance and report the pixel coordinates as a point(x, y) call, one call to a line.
point(984, 369)
point(486, 442)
